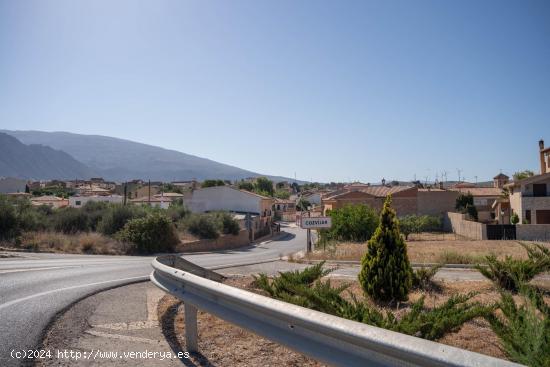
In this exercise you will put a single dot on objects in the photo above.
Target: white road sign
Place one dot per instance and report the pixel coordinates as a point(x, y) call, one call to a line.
point(316, 222)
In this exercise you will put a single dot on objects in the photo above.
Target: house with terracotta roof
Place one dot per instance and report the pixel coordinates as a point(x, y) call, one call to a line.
point(156, 202)
point(50, 200)
point(484, 197)
point(529, 198)
point(404, 198)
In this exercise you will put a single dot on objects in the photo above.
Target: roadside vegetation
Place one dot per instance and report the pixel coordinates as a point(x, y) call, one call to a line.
point(517, 317)
point(104, 228)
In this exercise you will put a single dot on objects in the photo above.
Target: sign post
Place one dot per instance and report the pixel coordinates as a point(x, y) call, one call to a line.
point(310, 223)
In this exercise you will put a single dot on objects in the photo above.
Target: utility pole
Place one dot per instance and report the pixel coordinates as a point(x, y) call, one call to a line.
point(125, 192)
point(149, 196)
point(459, 171)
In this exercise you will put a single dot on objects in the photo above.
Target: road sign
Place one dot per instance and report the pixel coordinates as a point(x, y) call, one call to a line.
point(316, 222)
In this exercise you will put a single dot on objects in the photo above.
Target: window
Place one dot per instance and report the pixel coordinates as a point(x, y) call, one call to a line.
point(539, 190)
point(78, 203)
point(528, 216)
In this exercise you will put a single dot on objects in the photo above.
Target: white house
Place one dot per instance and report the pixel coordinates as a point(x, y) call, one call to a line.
point(79, 201)
point(156, 202)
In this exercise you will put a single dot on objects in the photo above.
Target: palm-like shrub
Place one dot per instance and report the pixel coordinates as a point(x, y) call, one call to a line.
point(305, 288)
point(510, 273)
point(524, 330)
point(386, 273)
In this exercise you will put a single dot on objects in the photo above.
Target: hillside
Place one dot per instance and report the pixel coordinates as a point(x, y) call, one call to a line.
point(119, 159)
point(38, 161)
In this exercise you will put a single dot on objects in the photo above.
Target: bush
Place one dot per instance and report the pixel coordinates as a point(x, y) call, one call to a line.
point(514, 218)
point(71, 220)
point(95, 211)
point(227, 223)
point(151, 234)
point(351, 223)
point(177, 212)
point(116, 218)
point(422, 278)
point(465, 205)
point(305, 288)
point(203, 226)
point(510, 273)
point(524, 331)
point(386, 273)
point(9, 227)
point(417, 224)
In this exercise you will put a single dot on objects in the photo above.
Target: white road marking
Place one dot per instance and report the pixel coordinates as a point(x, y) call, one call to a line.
point(124, 337)
point(37, 269)
point(16, 301)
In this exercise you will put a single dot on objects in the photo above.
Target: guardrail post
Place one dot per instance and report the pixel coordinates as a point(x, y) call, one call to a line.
point(191, 332)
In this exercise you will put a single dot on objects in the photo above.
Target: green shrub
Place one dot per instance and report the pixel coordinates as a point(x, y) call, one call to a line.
point(227, 223)
point(465, 204)
point(305, 288)
point(417, 224)
point(71, 220)
point(151, 234)
point(514, 218)
point(9, 226)
point(202, 226)
point(386, 273)
point(351, 223)
point(524, 331)
point(116, 217)
point(422, 278)
point(178, 211)
point(510, 273)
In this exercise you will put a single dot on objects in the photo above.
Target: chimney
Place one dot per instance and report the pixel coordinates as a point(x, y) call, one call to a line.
point(383, 182)
point(542, 157)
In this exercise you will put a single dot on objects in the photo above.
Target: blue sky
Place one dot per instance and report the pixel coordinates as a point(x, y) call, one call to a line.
point(331, 90)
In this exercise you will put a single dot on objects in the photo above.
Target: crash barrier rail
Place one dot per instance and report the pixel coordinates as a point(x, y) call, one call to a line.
point(326, 338)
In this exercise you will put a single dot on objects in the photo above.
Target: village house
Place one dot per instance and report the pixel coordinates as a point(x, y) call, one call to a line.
point(285, 209)
point(484, 197)
point(155, 202)
point(226, 198)
point(404, 198)
point(52, 201)
point(528, 198)
point(172, 196)
point(79, 201)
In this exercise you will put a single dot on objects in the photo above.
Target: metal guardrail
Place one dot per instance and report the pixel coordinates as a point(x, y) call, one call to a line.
point(324, 337)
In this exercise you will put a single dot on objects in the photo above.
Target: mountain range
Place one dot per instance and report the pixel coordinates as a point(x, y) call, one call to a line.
point(46, 155)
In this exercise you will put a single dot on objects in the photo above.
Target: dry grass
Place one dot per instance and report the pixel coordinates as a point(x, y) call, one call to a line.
point(80, 243)
point(431, 251)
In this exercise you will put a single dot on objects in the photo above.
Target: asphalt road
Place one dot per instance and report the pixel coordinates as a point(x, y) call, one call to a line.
point(35, 287)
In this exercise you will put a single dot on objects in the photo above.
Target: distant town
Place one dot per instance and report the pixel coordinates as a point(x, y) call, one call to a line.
point(522, 200)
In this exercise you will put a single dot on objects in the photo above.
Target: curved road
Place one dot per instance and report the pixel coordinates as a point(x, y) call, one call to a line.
point(34, 287)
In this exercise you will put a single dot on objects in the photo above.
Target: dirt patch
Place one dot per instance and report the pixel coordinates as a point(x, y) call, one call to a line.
point(431, 251)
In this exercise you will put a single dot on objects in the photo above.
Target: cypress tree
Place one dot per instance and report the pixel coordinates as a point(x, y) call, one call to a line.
point(386, 274)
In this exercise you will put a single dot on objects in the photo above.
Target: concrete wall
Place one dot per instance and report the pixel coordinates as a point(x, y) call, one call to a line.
point(224, 198)
point(225, 242)
point(457, 223)
point(533, 232)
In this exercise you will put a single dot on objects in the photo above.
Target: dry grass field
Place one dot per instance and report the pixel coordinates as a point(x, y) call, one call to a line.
point(79, 243)
point(430, 248)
